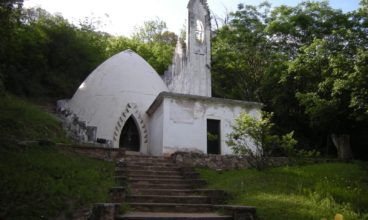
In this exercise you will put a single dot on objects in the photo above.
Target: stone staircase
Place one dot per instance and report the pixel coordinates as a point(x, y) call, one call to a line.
point(157, 188)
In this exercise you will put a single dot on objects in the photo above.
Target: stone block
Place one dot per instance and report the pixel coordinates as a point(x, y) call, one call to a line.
point(104, 211)
point(118, 194)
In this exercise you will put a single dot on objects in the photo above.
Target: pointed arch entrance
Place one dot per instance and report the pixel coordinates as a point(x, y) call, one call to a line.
point(131, 111)
point(130, 137)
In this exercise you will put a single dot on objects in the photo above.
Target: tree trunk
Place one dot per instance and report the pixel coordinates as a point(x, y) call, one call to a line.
point(342, 144)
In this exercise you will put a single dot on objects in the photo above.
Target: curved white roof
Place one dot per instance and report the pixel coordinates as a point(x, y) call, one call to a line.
point(103, 96)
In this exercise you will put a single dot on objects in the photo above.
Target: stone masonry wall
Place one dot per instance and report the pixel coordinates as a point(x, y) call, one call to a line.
point(108, 154)
point(222, 162)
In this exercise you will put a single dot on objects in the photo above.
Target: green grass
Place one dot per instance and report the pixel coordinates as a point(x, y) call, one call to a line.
point(44, 181)
point(305, 192)
point(21, 120)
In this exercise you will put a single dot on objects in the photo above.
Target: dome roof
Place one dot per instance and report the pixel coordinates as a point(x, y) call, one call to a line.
point(103, 96)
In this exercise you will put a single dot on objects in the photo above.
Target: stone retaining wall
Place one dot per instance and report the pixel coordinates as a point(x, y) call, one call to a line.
point(223, 162)
point(101, 153)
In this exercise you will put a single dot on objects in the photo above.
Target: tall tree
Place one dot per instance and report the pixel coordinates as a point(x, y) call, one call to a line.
point(9, 19)
point(153, 42)
point(307, 57)
point(154, 31)
point(49, 56)
point(240, 54)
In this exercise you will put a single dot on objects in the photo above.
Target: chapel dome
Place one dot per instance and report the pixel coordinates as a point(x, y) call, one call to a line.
point(122, 79)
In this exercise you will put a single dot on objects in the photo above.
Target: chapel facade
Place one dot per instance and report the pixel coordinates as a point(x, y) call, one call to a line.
point(124, 103)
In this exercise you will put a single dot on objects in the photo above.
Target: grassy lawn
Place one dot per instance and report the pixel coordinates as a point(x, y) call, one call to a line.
point(43, 181)
point(298, 192)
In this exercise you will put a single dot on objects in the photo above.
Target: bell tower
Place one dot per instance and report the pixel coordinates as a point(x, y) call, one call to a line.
point(190, 72)
point(199, 47)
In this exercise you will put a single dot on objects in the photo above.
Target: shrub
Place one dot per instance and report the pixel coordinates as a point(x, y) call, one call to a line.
point(252, 137)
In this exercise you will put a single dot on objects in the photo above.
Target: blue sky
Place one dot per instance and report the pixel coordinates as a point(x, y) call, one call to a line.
point(119, 17)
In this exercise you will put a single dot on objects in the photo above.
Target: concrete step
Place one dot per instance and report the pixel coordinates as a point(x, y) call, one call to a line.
point(154, 176)
point(145, 159)
point(167, 192)
point(174, 216)
point(128, 171)
point(152, 168)
point(159, 186)
point(172, 207)
point(168, 199)
point(194, 182)
point(153, 163)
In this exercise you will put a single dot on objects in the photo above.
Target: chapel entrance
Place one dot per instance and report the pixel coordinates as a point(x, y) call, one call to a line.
point(129, 137)
point(213, 136)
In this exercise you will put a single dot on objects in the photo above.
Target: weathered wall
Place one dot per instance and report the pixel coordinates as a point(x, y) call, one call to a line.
point(156, 135)
point(190, 72)
point(185, 121)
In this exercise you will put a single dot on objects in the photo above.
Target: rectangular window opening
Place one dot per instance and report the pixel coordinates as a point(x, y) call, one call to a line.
point(213, 136)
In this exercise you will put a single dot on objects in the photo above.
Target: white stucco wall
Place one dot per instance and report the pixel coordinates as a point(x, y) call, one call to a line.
point(185, 123)
point(156, 124)
point(122, 86)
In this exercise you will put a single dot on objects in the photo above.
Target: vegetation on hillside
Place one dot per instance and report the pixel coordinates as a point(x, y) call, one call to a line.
point(41, 181)
point(307, 63)
point(45, 56)
point(306, 192)
point(22, 121)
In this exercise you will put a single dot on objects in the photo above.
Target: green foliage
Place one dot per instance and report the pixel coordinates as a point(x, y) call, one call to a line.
point(9, 16)
point(154, 31)
point(296, 156)
point(154, 43)
point(298, 192)
point(306, 63)
point(240, 54)
point(44, 182)
point(212, 137)
point(48, 57)
point(253, 138)
point(157, 54)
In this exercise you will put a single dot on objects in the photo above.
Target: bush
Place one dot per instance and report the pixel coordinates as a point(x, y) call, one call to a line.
point(252, 137)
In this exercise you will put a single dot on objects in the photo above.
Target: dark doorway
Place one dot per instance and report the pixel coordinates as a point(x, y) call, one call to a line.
point(129, 137)
point(213, 137)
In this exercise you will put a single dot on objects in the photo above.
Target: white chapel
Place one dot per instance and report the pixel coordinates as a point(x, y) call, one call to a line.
point(124, 103)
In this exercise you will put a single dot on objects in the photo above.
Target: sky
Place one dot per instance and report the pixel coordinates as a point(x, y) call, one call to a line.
point(120, 17)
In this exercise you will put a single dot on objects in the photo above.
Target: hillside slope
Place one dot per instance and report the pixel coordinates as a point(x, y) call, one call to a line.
point(42, 181)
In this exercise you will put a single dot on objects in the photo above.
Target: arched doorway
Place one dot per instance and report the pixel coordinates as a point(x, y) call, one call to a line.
point(130, 137)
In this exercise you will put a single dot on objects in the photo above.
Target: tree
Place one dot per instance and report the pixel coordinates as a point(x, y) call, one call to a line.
point(309, 67)
point(49, 56)
point(152, 41)
point(158, 55)
point(240, 54)
point(155, 31)
point(9, 18)
point(335, 101)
